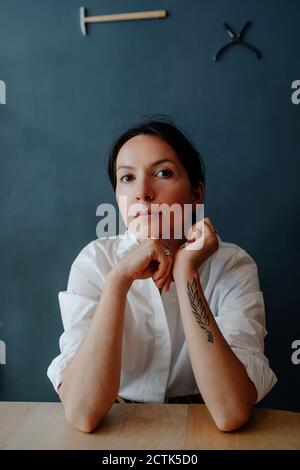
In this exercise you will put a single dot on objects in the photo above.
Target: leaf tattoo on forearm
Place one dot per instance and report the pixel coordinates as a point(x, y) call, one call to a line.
point(199, 311)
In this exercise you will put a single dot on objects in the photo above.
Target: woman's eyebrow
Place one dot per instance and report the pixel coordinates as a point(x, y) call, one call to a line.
point(152, 164)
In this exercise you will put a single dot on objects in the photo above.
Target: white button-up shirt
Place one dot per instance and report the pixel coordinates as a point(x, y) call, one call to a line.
point(155, 359)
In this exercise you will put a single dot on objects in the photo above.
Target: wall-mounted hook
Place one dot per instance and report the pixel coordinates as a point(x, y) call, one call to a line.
point(236, 38)
point(2, 92)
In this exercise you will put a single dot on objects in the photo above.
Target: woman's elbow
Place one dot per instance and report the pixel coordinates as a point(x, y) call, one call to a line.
point(85, 425)
point(83, 422)
point(79, 414)
point(232, 422)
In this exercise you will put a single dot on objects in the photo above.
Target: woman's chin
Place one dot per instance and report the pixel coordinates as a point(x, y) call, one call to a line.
point(155, 230)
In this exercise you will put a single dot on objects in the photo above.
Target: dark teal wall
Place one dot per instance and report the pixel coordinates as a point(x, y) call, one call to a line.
point(68, 96)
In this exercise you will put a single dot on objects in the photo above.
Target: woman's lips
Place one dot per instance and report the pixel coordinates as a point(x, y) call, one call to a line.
point(147, 214)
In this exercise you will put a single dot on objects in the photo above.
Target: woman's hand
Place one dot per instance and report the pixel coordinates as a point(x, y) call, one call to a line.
point(201, 243)
point(148, 259)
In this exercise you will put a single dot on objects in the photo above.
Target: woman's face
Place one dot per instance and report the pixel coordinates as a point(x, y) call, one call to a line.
point(149, 172)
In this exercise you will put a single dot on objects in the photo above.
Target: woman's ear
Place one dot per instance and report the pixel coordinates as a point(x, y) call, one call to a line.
point(198, 197)
point(198, 194)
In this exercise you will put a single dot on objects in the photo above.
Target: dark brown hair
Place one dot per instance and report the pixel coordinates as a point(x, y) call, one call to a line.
point(164, 128)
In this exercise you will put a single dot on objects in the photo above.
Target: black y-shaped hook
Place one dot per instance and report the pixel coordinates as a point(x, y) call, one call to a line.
point(236, 38)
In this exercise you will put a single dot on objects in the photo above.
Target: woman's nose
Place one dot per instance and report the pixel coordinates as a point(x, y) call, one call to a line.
point(144, 193)
point(144, 196)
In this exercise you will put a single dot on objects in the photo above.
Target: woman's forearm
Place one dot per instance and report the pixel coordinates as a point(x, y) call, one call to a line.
point(221, 377)
point(90, 382)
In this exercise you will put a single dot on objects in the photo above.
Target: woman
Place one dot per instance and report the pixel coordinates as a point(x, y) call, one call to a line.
point(152, 318)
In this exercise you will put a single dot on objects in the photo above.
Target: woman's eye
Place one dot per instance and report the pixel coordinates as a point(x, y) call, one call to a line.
point(166, 172)
point(128, 178)
point(125, 176)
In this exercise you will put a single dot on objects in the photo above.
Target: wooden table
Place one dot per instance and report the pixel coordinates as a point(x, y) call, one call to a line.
point(144, 426)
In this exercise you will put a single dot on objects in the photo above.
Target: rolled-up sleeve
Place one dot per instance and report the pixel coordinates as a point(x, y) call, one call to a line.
point(77, 305)
point(240, 316)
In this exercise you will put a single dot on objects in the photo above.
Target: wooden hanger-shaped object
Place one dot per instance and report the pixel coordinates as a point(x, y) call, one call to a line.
point(138, 15)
